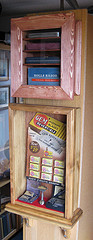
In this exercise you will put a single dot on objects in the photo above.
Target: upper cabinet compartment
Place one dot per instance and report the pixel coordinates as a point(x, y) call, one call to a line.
point(43, 56)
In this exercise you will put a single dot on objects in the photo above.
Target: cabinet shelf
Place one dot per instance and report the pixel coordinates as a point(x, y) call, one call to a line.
point(4, 188)
point(10, 234)
point(52, 50)
point(41, 64)
point(39, 39)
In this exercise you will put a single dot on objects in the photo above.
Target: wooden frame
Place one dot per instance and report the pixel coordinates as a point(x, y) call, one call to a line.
point(4, 70)
point(4, 97)
point(18, 114)
point(19, 88)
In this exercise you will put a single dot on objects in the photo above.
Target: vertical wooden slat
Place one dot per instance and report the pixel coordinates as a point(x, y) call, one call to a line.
point(70, 142)
point(16, 58)
point(12, 157)
point(78, 42)
point(24, 229)
point(19, 149)
point(17, 138)
point(67, 56)
point(77, 158)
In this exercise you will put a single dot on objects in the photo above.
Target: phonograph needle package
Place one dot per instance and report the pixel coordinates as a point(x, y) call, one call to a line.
point(46, 149)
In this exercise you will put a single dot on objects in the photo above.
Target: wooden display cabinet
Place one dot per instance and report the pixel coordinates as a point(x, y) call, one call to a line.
point(69, 54)
point(41, 222)
point(19, 117)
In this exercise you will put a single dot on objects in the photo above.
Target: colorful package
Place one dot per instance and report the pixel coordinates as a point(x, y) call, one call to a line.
point(59, 171)
point(34, 166)
point(46, 169)
point(58, 179)
point(46, 146)
point(34, 174)
point(34, 159)
point(46, 161)
point(59, 164)
point(46, 176)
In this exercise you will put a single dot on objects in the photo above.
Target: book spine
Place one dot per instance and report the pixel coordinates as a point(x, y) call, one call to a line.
point(13, 216)
point(43, 76)
point(4, 220)
point(8, 223)
point(42, 60)
point(42, 46)
point(1, 229)
point(43, 34)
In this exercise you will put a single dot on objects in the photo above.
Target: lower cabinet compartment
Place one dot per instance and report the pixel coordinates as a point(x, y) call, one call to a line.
point(44, 163)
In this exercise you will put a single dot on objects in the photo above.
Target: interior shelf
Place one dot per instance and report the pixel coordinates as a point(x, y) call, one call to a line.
point(52, 50)
point(41, 64)
point(46, 38)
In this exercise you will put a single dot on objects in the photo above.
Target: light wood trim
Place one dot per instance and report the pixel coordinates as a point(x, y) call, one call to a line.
point(27, 213)
point(70, 158)
point(72, 162)
point(40, 108)
point(16, 66)
point(77, 158)
point(24, 228)
point(17, 154)
point(11, 153)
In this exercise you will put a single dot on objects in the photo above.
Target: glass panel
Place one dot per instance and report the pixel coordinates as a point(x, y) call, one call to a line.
point(42, 57)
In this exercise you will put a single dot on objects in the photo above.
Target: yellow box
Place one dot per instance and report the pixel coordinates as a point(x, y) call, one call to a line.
point(34, 166)
point(42, 121)
point(59, 171)
point(34, 159)
point(34, 174)
point(47, 161)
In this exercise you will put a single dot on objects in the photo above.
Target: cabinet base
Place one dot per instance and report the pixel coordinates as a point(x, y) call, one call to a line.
point(58, 219)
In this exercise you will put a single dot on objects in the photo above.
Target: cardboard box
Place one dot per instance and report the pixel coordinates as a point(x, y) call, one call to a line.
point(46, 137)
